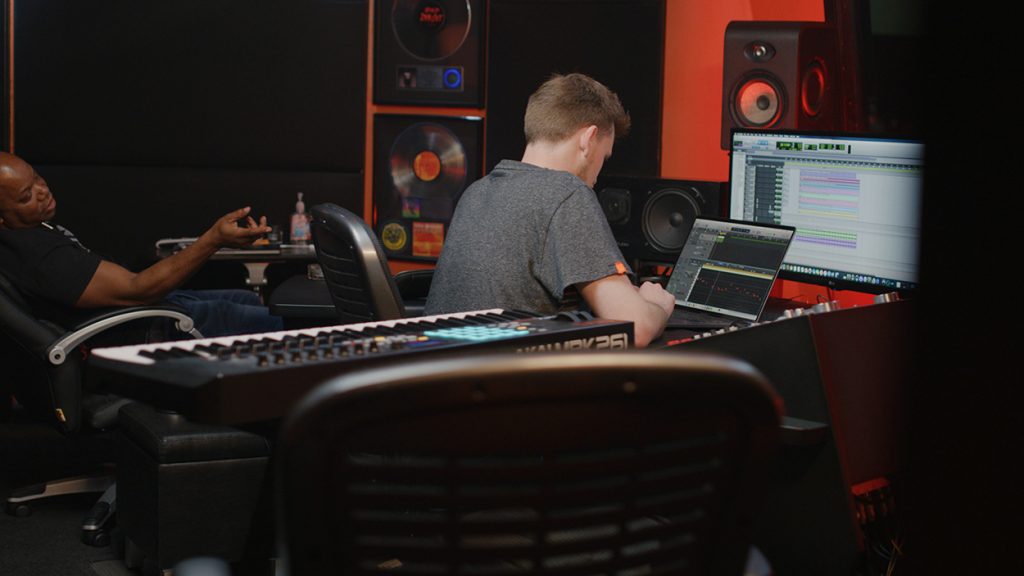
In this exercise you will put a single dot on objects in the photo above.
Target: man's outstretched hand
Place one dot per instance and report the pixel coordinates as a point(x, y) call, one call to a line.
point(112, 285)
point(237, 229)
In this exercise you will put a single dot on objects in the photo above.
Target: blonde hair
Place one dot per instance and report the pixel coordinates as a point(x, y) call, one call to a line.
point(564, 104)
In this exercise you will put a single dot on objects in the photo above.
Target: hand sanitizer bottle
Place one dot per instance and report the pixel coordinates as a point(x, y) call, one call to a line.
point(300, 233)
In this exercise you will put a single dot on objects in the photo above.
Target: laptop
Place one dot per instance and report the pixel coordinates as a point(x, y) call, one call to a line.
point(725, 272)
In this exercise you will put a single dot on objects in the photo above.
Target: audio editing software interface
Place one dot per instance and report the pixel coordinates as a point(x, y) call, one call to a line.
point(855, 202)
point(728, 267)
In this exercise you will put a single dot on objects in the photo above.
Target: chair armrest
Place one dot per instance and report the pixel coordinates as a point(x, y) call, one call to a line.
point(57, 352)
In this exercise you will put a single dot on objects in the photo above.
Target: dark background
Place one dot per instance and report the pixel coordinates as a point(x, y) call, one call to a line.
point(153, 119)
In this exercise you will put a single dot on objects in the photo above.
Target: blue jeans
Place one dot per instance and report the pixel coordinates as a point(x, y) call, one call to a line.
point(225, 312)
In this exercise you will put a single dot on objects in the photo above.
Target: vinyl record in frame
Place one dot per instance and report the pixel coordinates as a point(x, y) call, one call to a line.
point(429, 52)
point(422, 164)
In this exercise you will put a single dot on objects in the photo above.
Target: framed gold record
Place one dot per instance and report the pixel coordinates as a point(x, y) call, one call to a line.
point(429, 52)
point(431, 30)
point(422, 164)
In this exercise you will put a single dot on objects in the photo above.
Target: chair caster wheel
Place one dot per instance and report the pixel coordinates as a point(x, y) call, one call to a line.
point(19, 509)
point(96, 538)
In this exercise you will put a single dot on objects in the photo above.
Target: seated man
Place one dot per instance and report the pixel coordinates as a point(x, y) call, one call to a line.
point(531, 235)
point(60, 276)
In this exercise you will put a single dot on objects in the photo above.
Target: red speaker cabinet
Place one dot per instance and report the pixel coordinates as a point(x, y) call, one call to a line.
point(780, 75)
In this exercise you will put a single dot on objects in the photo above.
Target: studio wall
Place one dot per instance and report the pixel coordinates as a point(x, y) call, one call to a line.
point(152, 119)
point(692, 98)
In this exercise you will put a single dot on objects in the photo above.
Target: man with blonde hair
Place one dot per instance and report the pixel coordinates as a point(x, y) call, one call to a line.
point(531, 235)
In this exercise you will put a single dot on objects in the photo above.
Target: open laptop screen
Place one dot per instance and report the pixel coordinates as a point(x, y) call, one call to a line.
point(729, 266)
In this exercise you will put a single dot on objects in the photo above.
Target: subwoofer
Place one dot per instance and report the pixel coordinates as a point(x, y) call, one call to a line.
point(780, 75)
point(651, 217)
point(429, 52)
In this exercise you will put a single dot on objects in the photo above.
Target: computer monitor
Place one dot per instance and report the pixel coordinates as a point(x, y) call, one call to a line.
point(855, 201)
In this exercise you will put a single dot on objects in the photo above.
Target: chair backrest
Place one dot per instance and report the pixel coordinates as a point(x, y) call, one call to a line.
point(52, 393)
point(355, 267)
point(572, 463)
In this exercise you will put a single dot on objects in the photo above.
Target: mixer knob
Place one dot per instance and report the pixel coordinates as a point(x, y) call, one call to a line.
point(887, 297)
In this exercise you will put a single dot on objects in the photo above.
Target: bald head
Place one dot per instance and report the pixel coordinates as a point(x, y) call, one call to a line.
point(25, 199)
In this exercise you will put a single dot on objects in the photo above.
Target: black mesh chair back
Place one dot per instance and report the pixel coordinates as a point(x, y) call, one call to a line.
point(622, 464)
point(354, 266)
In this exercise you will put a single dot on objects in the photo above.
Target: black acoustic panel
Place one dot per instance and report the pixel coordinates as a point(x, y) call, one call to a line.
point(422, 164)
point(780, 75)
point(651, 217)
point(618, 42)
point(429, 52)
point(5, 76)
point(267, 84)
point(120, 212)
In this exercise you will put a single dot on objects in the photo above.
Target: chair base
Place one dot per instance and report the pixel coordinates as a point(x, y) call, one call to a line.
point(95, 525)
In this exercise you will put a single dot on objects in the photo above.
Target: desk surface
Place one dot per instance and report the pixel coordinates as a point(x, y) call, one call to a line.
point(278, 253)
point(283, 252)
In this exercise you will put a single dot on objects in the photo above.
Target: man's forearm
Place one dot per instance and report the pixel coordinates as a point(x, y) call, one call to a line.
point(615, 298)
point(112, 285)
point(153, 283)
point(649, 324)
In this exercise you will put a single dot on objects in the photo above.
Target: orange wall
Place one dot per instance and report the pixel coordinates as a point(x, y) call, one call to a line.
point(692, 98)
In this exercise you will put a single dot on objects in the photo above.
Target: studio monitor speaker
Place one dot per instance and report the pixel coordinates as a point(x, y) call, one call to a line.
point(780, 75)
point(651, 217)
point(429, 52)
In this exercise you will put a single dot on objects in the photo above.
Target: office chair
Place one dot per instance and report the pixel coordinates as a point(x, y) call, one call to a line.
point(357, 285)
point(44, 364)
point(622, 463)
point(354, 266)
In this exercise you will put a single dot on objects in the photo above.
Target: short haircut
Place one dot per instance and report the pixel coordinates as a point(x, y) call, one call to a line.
point(564, 104)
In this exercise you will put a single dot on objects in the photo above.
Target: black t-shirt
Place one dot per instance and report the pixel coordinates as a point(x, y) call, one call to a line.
point(50, 268)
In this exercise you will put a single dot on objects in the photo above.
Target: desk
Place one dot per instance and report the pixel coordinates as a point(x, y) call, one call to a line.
point(255, 260)
point(848, 370)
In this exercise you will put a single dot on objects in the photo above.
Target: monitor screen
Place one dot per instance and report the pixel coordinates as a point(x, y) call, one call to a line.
point(855, 201)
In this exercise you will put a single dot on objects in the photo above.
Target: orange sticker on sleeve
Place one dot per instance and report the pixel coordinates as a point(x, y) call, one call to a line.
point(620, 267)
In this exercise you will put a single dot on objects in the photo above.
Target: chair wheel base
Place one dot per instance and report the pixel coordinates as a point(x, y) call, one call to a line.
point(19, 509)
point(96, 538)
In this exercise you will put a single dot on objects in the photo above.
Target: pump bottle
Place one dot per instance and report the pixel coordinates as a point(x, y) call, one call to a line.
point(300, 233)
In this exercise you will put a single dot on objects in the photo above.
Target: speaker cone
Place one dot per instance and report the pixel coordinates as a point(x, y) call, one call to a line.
point(812, 88)
point(668, 217)
point(758, 102)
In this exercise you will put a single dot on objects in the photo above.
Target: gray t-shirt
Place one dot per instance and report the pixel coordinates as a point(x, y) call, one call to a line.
point(521, 238)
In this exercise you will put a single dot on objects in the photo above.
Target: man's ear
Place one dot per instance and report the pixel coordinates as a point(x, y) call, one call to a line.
point(587, 139)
